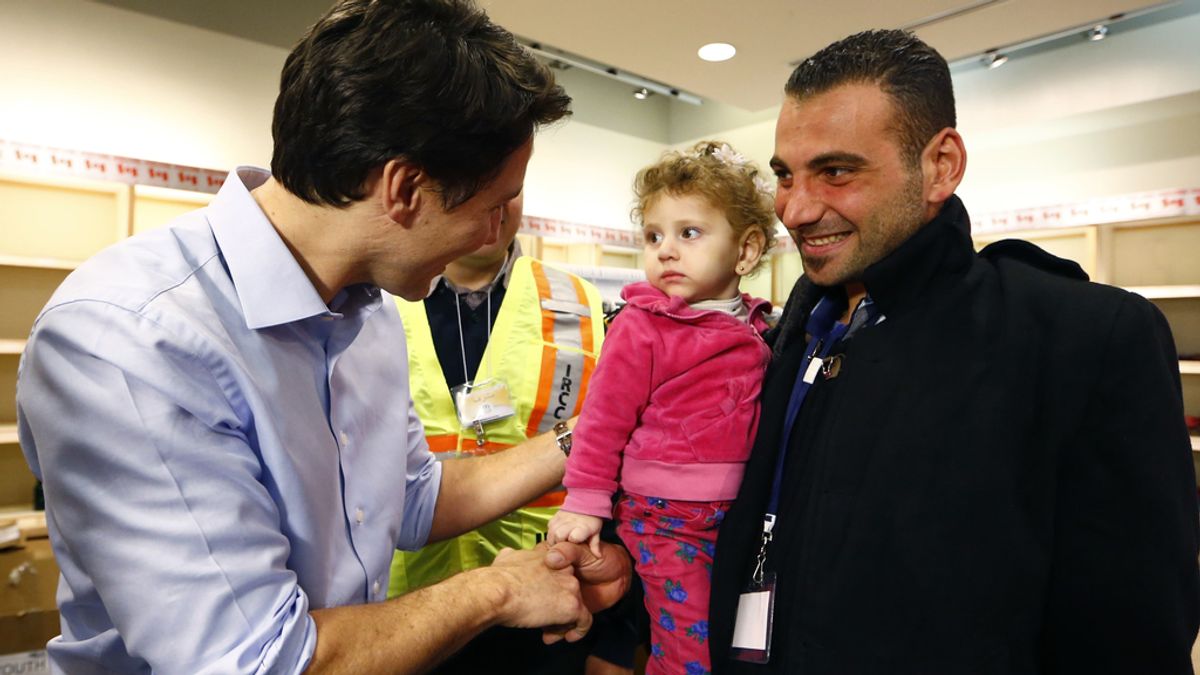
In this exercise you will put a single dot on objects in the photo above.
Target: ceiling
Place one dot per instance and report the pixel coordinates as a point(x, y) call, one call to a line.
point(658, 40)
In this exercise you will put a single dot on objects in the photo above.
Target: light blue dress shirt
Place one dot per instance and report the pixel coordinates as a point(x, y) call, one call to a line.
point(221, 451)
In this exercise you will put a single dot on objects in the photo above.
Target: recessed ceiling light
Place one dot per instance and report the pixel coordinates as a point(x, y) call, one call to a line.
point(1097, 32)
point(641, 93)
point(717, 51)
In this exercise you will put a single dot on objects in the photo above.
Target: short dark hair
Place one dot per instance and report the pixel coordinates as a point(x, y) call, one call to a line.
point(431, 81)
point(913, 74)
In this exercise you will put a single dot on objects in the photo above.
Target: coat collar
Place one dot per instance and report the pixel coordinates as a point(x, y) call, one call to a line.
point(941, 246)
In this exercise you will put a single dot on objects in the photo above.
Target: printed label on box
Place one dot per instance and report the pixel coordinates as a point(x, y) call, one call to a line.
point(24, 664)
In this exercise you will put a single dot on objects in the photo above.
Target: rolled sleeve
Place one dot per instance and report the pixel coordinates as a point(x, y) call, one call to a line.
point(423, 480)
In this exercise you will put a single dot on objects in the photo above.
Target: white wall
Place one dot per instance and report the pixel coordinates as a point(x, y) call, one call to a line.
point(584, 174)
point(1081, 122)
point(1090, 120)
point(1085, 121)
point(86, 76)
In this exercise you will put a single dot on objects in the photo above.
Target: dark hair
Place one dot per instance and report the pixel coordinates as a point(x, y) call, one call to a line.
point(432, 81)
point(715, 171)
point(911, 72)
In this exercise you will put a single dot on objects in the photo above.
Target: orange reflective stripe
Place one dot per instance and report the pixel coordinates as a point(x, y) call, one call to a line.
point(545, 381)
point(543, 287)
point(585, 322)
point(442, 442)
point(448, 443)
point(549, 499)
point(546, 375)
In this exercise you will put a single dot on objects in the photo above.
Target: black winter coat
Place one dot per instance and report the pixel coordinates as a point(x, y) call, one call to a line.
point(1008, 486)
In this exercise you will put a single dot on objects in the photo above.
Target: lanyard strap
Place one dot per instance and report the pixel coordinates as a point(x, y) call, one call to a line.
point(825, 331)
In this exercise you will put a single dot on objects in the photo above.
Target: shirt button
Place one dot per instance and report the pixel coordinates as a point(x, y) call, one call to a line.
point(375, 588)
point(359, 516)
point(345, 438)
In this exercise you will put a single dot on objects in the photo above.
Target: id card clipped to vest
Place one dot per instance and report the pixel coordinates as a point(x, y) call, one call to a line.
point(478, 403)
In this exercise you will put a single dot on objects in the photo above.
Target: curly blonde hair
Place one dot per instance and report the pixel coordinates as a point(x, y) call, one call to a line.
point(714, 171)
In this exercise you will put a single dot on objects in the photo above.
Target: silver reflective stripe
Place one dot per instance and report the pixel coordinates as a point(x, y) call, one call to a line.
point(443, 456)
point(564, 388)
point(566, 324)
point(565, 307)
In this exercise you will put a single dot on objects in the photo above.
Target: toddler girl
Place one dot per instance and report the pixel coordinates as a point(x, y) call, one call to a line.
point(673, 406)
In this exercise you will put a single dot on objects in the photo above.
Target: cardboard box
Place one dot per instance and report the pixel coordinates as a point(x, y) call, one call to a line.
point(28, 582)
point(27, 633)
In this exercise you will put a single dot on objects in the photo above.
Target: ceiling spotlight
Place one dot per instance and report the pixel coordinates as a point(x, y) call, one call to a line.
point(994, 59)
point(1097, 32)
point(717, 51)
point(641, 93)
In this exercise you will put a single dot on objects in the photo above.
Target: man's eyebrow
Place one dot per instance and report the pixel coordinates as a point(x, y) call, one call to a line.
point(836, 158)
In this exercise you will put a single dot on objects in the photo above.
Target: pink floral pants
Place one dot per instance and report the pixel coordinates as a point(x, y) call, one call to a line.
point(672, 543)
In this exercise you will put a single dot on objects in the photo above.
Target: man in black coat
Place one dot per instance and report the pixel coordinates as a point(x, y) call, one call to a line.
point(984, 467)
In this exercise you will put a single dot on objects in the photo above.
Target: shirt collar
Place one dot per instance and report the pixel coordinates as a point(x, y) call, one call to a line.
point(270, 284)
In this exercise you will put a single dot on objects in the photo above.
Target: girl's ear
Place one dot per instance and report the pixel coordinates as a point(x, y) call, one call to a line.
point(751, 245)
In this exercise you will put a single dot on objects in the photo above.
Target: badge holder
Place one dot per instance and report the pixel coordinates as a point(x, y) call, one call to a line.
point(755, 613)
point(478, 403)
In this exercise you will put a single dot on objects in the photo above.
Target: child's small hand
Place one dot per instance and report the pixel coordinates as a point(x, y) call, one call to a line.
point(577, 528)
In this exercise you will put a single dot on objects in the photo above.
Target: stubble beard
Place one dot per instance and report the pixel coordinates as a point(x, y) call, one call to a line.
point(884, 231)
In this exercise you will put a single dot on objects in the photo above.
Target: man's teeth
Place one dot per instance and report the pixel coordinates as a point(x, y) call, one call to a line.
point(825, 241)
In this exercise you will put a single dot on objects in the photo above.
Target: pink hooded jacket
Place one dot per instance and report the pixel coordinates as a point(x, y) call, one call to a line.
point(672, 408)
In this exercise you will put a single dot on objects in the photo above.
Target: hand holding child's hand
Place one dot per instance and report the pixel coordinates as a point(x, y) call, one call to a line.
point(577, 528)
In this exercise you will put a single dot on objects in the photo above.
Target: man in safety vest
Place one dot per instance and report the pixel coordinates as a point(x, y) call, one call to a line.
point(501, 349)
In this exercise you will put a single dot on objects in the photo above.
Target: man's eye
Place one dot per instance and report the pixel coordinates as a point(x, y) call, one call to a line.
point(837, 171)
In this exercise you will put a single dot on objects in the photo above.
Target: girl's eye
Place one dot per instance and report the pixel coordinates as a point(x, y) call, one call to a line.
point(653, 237)
point(690, 233)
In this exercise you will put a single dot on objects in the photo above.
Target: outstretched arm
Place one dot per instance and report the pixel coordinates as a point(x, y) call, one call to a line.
point(472, 494)
point(416, 631)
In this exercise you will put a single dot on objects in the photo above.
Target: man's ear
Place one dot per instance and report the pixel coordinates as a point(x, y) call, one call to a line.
point(401, 189)
point(943, 163)
point(750, 249)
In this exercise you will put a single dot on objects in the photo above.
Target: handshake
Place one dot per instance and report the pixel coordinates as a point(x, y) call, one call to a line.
point(557, 588)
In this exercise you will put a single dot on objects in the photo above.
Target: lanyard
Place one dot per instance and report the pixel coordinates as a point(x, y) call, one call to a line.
point(825, 330)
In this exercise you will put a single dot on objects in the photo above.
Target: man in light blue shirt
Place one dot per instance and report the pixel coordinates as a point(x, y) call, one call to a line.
point(219, 410)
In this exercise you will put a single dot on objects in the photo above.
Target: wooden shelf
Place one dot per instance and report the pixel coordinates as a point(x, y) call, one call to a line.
point(1166, 292)
point(38, 263)
point(8, 434)
point(1189, 367)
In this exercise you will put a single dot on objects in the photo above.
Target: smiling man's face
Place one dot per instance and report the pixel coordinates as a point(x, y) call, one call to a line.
point(846, 193)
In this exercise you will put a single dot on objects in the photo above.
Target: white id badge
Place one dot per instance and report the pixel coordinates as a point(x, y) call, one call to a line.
point(752, 629)
point(478, 403)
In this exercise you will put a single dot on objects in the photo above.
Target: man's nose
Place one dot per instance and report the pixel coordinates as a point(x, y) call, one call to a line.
point(797, 206)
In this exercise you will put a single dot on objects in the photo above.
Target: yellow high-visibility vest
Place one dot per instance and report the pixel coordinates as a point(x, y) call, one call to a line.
point(543, 345)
